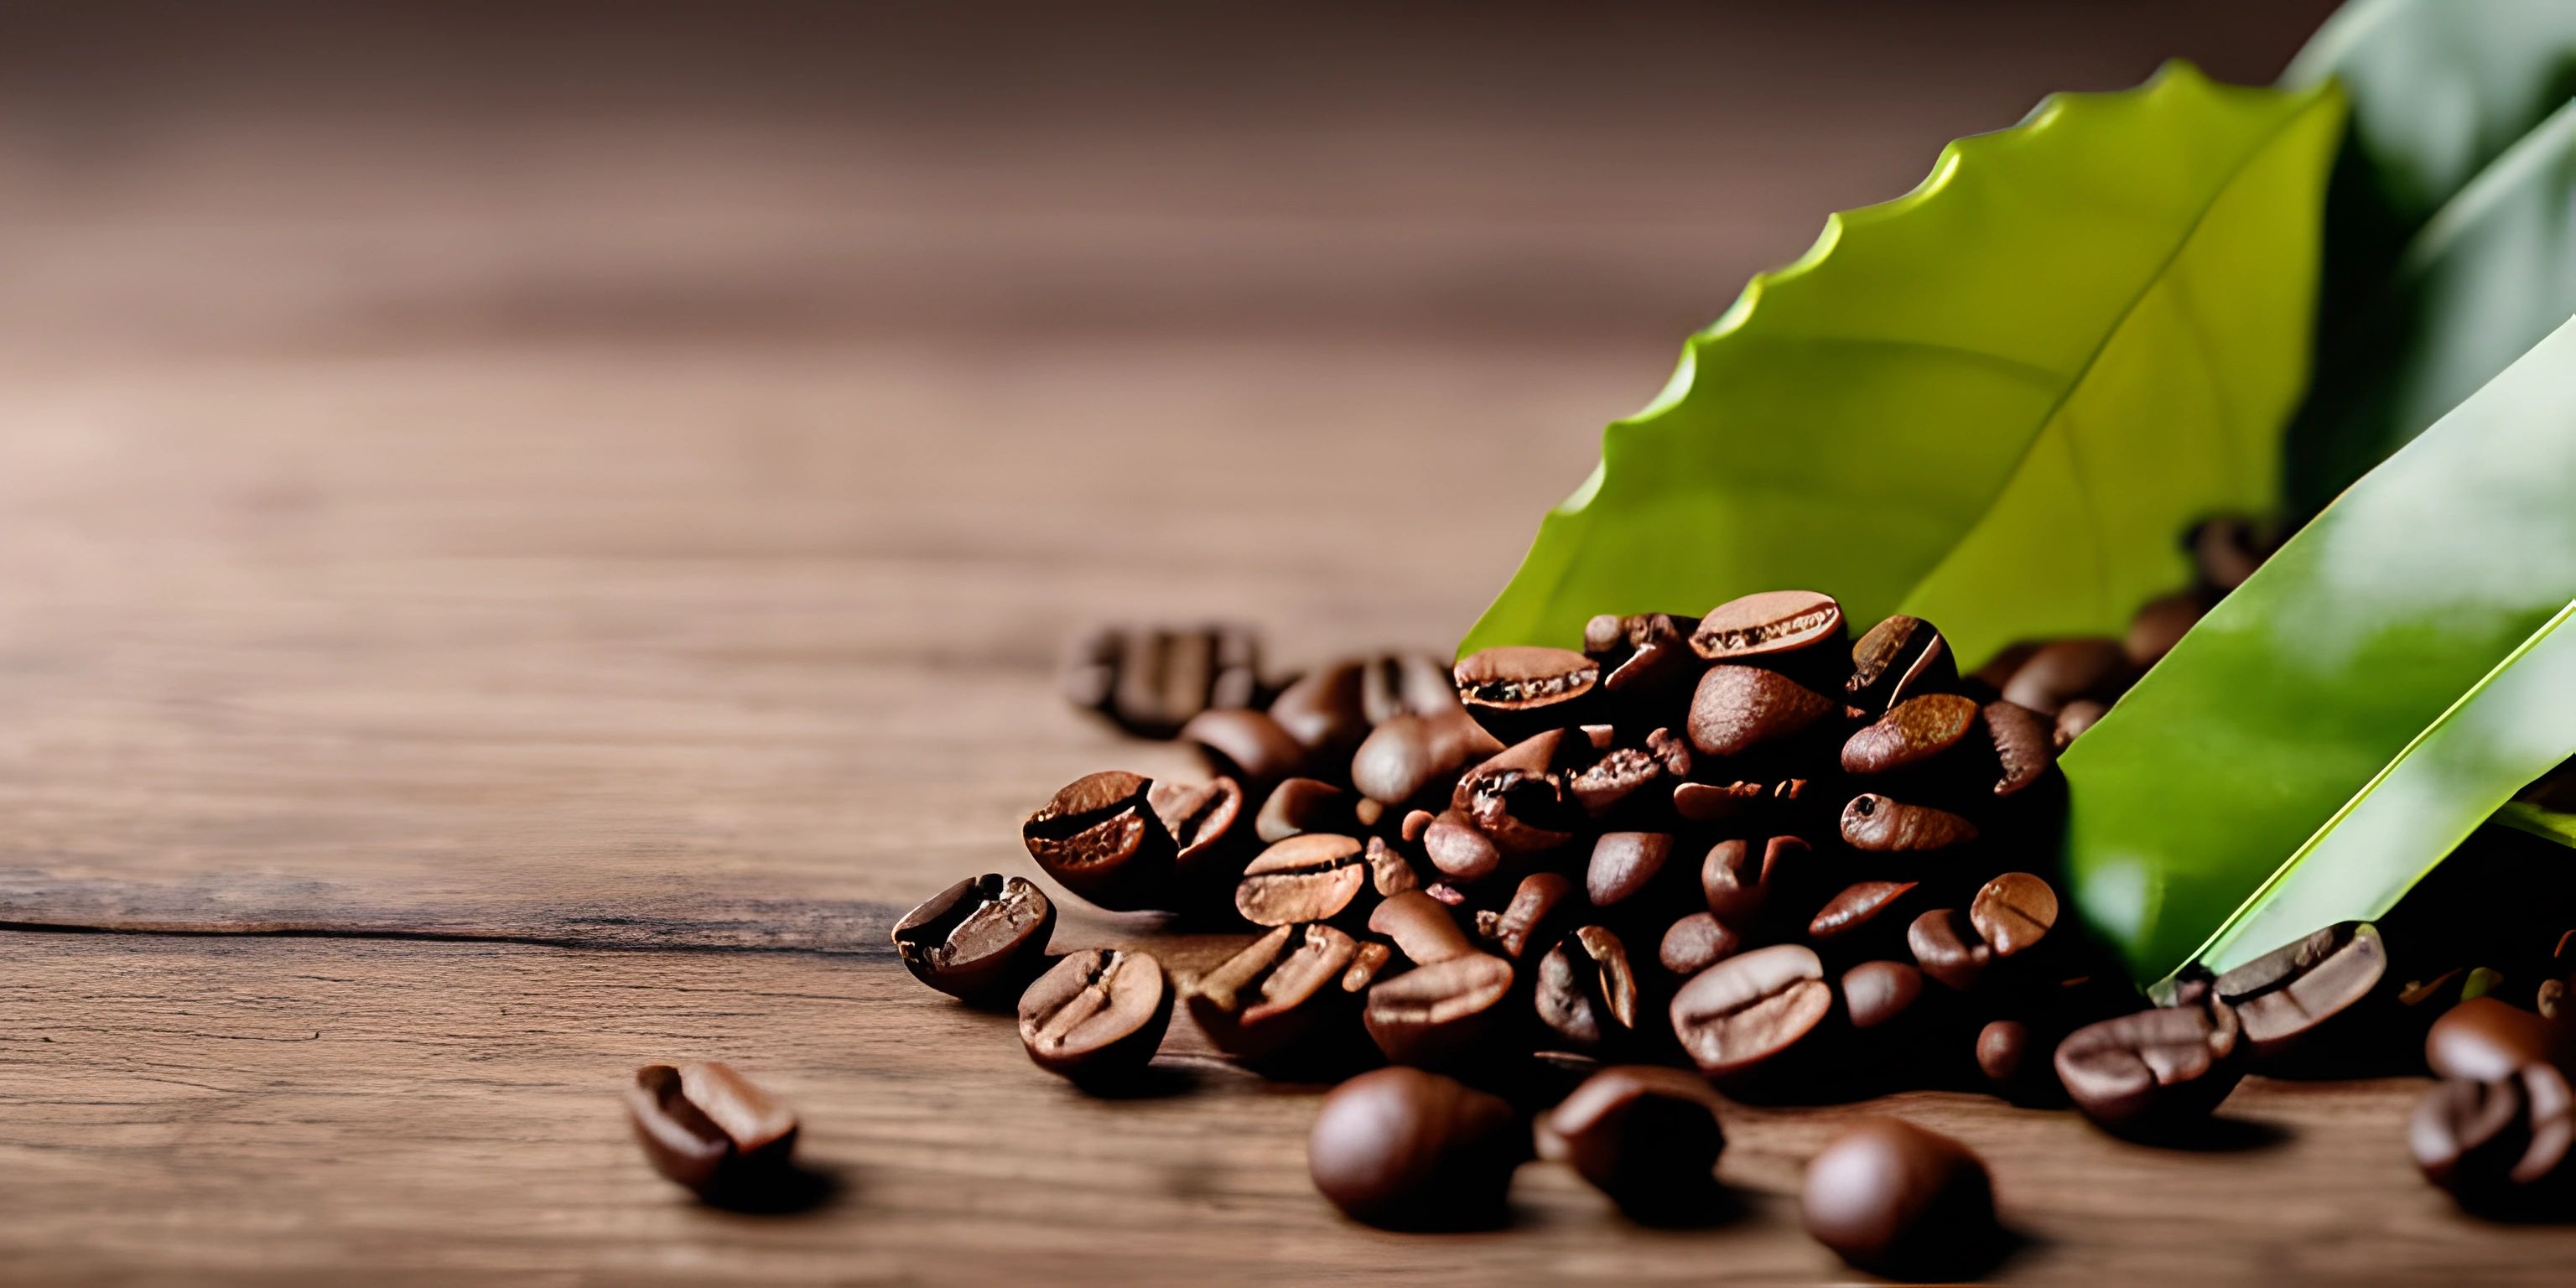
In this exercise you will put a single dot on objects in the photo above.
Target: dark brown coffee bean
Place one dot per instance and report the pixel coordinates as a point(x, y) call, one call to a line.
point(1900, 658)
point(1304, 878)
point(1408, 1150)
point(1390, 873)
point(2161, 625)
point(1100, 837)
point(2152, 1071)
point(1247, 746)
point(711, 1130)
point(976, 937)
point(1912, 732)
point(2024, 743)
point(1877, 994)
point(1751, 1007)
point(1535, 916)
point(1098, 1015)
point(1624, 864)
point(1734, 881)
point(2013, 913)
point(1150, 681)
point(2078, 716)
point(1439, 1013)
point(1417, 758)
point(1854, 907)
point(1586, 994)
point(1423, 928)
point(2500, 1146)
point(1646, 1136)
point(2004, 1054)
point(1322, 710)
point(1459, 850)
point(1517, 690)
point(1737, 709)
point(2229, 549)
point(1394, 684)
point(1891, 1198)
point(1203, 821)
point(2485, 1038)
point(1948, 948)
point(1275, 993)
point(1519, 799)
point(1642, 654)
point(2290, 992)
point(1697, 942)
point(1767, 625)
point(1302, 805)
point(1876, 825)
point(2064, 670)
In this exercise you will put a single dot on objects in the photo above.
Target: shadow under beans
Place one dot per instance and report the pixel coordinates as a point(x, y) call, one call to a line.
point(1157, 1081)
point(802, 1188)
point(2216, 1135)
point(1689, 1208)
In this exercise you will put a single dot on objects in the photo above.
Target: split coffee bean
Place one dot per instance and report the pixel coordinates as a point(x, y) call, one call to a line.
point(2501, 1146)
point(1274, 994)
point(2286, 994)
point(2485, 1039)
point(1737, 709)
point(1645, 1135)
point(711, 1130)
point(1100, 837)
point(1098, 1016)
point(1441, 1012)
point(1304, 878)
point(1518, 690)
point(1301, 805)
point(2153, 1071)
point(1518, 799)
point(1749, 1008)
point(1893, 1199)
point(2013, 913)
point(977, 936)
point(1585, 992)
point(1201, 820)
point(1404, 1149)
point(1767, 625)
point(1899, 659)
point(1151, 681)
point(1624, 774)
point(1874, 824)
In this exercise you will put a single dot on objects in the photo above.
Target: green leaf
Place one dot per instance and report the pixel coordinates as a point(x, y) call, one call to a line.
point(2450, 246)
point(2539, 821)
point(1992, 402)
point(2389, 680)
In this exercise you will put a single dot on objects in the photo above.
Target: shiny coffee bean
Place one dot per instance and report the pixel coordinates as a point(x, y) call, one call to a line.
point(1751, 1007)
point(1641, 654)
point(1304, 878)
point(1625, 864)
point(1877, 994)
point(2005, 1054)
point(1911, 733)
point(1854, 907)
point(978, 936)
point(1767, 625)
point(1645, 1135)
point(1423, 928)
point(711, 1130)
point(2064, 670)
point(1440, 1013)
point(1875, 824)
point(2485, 1038)
point(1100, 837)
point(1459, 849)
point(2501, 1146)
point(1517, 690)
point(1408, 1150)
point(2013, 913)
point(2077, 717)
point(1585, 993)
point(1949, 949)
point(1321, 710)
point(2161, 625)
point(1390, 872)
point(1900, 658)
point(1891, 1198)
point(1540, 910)
point(1411, 758)
point(1204, 821)
point(1151, 681)
point(1247, 746)
point(2153, 1071)
point(1276, 993)
point(1697, 942)
point(1737, 709)
point(1097, 1016)
point(2025, 746)
point(1733, 879)
point(2292, 991)
point(1301, 805)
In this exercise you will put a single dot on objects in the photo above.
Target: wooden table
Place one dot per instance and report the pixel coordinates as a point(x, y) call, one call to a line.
point(524, 545)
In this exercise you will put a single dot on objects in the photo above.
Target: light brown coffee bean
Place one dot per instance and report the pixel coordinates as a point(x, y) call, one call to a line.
point(1301, 805)
point(1423, 928)
point(976, 937)
point(1276, 993)
point(1697, 942)
point(1911, 733)
point(1767, 625)
point(2013, 913)
point(1876, 825)
point(1439, 1014)
point(1304, 878)
point(711, 1130)
point(1624, 864)
point(1949, 949)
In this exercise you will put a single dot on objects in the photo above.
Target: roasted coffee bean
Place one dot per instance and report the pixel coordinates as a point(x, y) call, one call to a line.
point(1100, 837)
point(1519, 799)
point(1304, 878)
point(1302, 805)
point(1737, 709)
point(1987, 681)
point(1411, 757)
point(2004, 1050)
point(1459, 849)
point(2025, 746)
point(1875, 824)
point(1368, 961)
point(1390, 872)
point(1645, 1135)
point(711, 1130)
point(1275, 993)
point(1877, 994)
point(1912, 732)
point(1394, 684)
point(1517, 690)
point(1151, 681)
point(1625, 864)
point(1767, 625)
point(1697, 942)
point(978, 936)
point(1711, 803)
point(1856, 906)
point(2064, 670)
point(1751, 1007)
point(2154, 1070)
point(1900, 658)
point(1322, 710)
point(1439, 1013)
point(2499, 1146)
point(1203, 821)
point(1623, 773)
point(1948, 948)
point(1416, 822)
point(1586, 993)
point(2288, 993)
point(1409, 1150)
point(1536, 915)
point(2485, 1038)
point(2013, 913)
point(1893, 1199)
point(1734, 880)
point(1423, 928)
point(1098, 1015)
point(2078, 716)
point(1642, 654)
point(2161, 625)
point(2229, 549)
point(1247, 746)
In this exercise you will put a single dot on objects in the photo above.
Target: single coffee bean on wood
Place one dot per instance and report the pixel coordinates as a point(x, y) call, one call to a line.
point(1697, 942)
point(1647, 1136)
point(2013, 913)
point(1876, 824)
point(1439, 1013)
point(2485, 1038)
point(1272, 995)
point(1766, 625)
point(1304, 878)
point(1409, 1150)
point(1151, 680)
point(1737, 709)
point(1912, 733)
point(2284, 995)
point(1423, 928)
point(2500, 1147)
point(2152, 1071)
point(1625, 864)
point(1202, 820)
point(1898, 659)
point(1301, 805)
point(1585, 993)
point(711, 1130)
point(1517, 690)
point(978, 936)
point(1751, 1007)
point(1948, 948)
point(1891, 1198)
point(1098, 1015)
point(2064, 670)
point(1247, 746)
point(1100, 837)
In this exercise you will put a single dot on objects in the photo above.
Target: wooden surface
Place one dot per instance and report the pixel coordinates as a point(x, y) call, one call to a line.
point(524, 543)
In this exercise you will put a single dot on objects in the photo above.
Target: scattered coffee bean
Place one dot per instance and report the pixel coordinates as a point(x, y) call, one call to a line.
point(1389, 871)
point(1404, 1149)
point(1423, 928)
point(1737, 709)
point(1322, 710)
point(1711, 803)
point(2500, 1146)
point(2152, 1071)
point(1625, 773)
point(1151, 681)
point(1624, 865)
point(1891, 1198)
point(1734, 883)
point(1100, 837)
point(1302, 805)
point(2484, 1039)
point(1201, 820)
point(1459, 849)
point(1368, 961)
point(2064, 670)
point(1586, 994)
point(1519, 690)
point(1393, 684)
point(1912, 732)
point(2159, 626)
point(1877, 994)
point(1274, 993)
point(2288, 993)
point(1766, 625)
point(1645, 1135)
point(1751, 1007)
point(1875, 824)
point(1641, 655)
point(2025, 746)
point(1413, 757)
point(1247, 746)
point(1098, 1015)
point(2013, 913)
point(710, 1129)
point(1518, 798)
point(1948, 949)
point(1900, 658)
point(1304, 878)
point(1854, 907)
point(2004, 1049)
point(977, 936)
point(2078, 716)
point(1535, 916)
point(1697, 942)
point(1441, 1012)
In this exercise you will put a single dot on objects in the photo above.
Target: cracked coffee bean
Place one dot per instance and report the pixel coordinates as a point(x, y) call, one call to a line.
point(2064, 670)
point(1695, 943)
point(1459, 849)
point(1246, 746)
point(1441, 1012)
point(1585, 992)
point(2284, 995)
point(1751, 1007)
point(2501, 1146)
point(1407, 1150)
point(1150, 681)
point(1518, 798)
point(1535, 916)
point(1102, 840)
point(978, 936)
point(1948, 948)
point(1624, 865)
point(1875, 824)
point(1423, 928)
point(1275, 993)
point(1304, 878)
point(1911, 733)
point(1201, 820)
point(1302, 805)
point(1641, 655)
point(1899, 659)
point(711, 1130)
point(1767, 625)
point(1624, 773)
point(1519, 690)
point(1097, 1016)
point(2153, 1071)
point(1891, 1198)
point(1737, 709)
point(1645, 1135)
point(2013, 913)
point(1856, 907)
point(2485, 1038)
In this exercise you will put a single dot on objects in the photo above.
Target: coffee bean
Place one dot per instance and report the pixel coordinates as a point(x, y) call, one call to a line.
point(2025, 746)
point(1585, 993)
point(1900, 658)
point(1394, 684)
point(1439, 1013)
point(2154, 1070)
point(1517, 690)
point(2290, 992)
point(1247, 746)
point(2013, 913)
point(1891, 1198)
point(1416, 822)
point(1302, 805)
point(1751, 1007)
point(2077, 717)
point(1150, 681)
point(1518, 798)
point(1322, 710)
point(2161, 625)
point(1737, 709)
point(1101, 839)
point(1623, 773)
point(1304, 878)
point(1273, 995)
point(1767, 625)
point(1408, 1150)
point(2229, 549)
point(2502, 1146)
point(2485, 1038)
point(1647, 1136)
point(1643, 654)
point(1422, 927)
point(1987, 682)
point(1201, 819)
point(1856, 906)
point(980, 935)
point(1734, 883)
point(1406, 758)
point(2064, 670)
point(1368, 961)
point(2004, 1055)
point(711, 1130)
point(1459, 849)
point(1948, 948)
point(1912, 732)
point(1097, 1016)
point(1711, 803)
point(1876, 825)
point(1390, 873)
point(1624, 864)
point(1535, 916)
point(1877, 994)
point(1697, 942)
